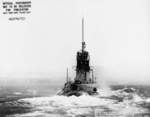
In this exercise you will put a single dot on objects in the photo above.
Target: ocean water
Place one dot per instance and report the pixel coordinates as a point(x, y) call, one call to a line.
point(114, 101)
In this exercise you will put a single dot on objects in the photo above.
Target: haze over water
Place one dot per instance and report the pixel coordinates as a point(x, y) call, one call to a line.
point(113, 100)
point(45, 44)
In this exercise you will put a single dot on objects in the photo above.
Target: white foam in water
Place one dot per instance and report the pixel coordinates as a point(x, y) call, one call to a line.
point(83, 105)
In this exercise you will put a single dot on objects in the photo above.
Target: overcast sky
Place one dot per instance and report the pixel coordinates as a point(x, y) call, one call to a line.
point(117, 34)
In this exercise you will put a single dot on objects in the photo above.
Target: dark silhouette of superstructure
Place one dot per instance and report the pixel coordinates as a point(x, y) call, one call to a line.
point(84, 81)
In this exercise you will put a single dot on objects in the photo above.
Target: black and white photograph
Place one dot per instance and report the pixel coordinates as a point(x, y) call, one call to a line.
point(75, 58)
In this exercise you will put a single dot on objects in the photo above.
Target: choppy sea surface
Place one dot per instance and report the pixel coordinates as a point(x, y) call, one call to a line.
point(114, 101)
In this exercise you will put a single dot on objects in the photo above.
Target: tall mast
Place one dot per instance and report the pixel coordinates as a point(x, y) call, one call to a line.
point(83, 43)
point(67, 75)
point(82, 30)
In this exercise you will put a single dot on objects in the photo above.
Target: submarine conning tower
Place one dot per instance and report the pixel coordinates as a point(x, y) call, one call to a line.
point(83, 60)
point(84, 81)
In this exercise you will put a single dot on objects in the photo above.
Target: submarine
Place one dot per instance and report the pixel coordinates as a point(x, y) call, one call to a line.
point(84, 81)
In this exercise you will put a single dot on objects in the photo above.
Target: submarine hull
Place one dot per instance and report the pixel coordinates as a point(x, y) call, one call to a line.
point(72, 88)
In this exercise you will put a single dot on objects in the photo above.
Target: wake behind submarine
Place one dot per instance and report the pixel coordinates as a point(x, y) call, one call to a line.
point(84, 81)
